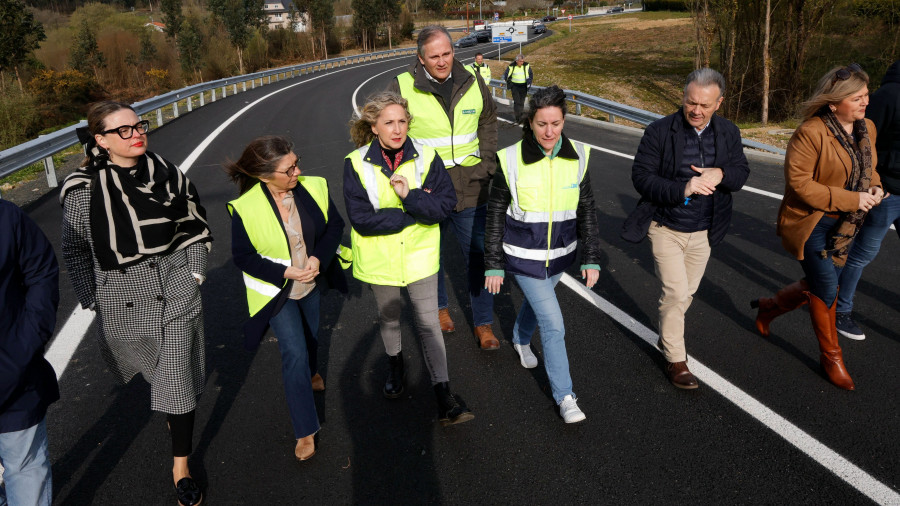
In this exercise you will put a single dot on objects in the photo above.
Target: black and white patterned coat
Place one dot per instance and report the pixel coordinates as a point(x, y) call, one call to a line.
point(149, 316)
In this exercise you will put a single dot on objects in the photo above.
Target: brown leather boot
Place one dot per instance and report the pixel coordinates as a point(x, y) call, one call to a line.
point(786, 300)
point(832, 359)
point(306, 448)
point(446, 322)
point(486, 338)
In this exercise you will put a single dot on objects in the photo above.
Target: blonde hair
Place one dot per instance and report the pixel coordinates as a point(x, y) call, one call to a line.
point(361, 124)
point(831, 90)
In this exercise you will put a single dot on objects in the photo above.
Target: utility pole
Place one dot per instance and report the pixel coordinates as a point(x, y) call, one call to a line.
point(480, 15)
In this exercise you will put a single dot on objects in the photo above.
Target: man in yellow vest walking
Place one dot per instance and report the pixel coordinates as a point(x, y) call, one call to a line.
point(482, 68)
point(453, 112)
point(518, 77)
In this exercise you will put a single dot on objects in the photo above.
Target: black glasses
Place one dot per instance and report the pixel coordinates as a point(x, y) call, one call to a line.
point(290, 170)
point(845, 73)
point(127, 131)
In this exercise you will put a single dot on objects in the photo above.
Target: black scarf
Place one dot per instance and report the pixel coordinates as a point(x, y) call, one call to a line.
point(135, 212)
point(841, 236)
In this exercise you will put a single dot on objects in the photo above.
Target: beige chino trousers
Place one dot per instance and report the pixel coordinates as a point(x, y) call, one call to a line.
point(680, 259)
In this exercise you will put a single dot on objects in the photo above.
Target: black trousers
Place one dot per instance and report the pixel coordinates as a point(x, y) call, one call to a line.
point(519, 93)
point(181, 428)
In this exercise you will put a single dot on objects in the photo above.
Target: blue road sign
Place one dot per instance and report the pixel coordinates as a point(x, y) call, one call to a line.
point(502, 39)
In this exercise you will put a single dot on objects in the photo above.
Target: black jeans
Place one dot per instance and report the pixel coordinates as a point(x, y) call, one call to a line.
point(519, 93)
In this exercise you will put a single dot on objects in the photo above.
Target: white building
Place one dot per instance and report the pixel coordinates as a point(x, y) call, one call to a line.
point(278, 14)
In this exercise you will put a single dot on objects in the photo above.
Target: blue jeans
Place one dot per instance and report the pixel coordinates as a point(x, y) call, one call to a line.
point(541, 308)
point(297, 327)
point(821, 273)
point(26, 462)
point(468, 225)
point(865, 247)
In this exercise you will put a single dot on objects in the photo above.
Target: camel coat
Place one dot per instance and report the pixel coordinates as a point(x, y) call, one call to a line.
point(816, 170)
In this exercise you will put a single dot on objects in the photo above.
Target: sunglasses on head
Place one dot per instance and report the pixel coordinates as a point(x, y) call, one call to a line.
point(845, 73)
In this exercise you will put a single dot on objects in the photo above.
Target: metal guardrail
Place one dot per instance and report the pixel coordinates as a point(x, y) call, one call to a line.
point(45, 146)
point(617, 110)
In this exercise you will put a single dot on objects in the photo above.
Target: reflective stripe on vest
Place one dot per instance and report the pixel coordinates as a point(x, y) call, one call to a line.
point(268, 237)
point(403, 257)
point(519, 74)
point(370, 174)
point(457, 143)
point(543, 204)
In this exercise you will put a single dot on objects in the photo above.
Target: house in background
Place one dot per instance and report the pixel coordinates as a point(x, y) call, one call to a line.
point(156, 25)
point(278, 15)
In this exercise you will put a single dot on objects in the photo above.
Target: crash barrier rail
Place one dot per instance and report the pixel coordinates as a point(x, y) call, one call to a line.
point(616, 110)
point(45, 146)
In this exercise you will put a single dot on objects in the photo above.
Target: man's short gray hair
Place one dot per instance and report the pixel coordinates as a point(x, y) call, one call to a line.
point(704, 77)
point(428, 33)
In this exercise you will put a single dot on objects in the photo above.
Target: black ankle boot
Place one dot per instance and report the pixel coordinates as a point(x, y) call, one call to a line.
point(393, 387)
point(451, 408)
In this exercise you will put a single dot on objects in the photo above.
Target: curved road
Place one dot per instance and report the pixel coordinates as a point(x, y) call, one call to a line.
point(765, 426)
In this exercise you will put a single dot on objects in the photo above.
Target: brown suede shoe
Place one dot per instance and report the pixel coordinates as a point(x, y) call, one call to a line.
point(486, 338)
point(446, 321)
point(306, 448)
point(318, 384)
point(680, 376)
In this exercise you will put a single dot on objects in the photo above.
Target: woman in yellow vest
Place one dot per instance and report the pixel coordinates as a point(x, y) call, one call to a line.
point(396, 193)
point(285, 232)
point(541, 206)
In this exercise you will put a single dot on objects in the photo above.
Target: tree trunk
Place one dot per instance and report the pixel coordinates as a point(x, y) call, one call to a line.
point(767, 64)
point(390, 44)
point(19, 79)
point(240, 60)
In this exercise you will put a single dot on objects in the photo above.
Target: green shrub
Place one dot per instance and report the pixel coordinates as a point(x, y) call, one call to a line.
point(665, 5)
point(63, 96)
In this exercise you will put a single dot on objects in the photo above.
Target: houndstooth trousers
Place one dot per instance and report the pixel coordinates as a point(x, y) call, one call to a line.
point(149, 315)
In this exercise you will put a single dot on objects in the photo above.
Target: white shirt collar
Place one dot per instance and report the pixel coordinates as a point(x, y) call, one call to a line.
point(431, 78)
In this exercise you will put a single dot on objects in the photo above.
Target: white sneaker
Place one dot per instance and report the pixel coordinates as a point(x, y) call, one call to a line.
point(568, 409)
point(526, 356)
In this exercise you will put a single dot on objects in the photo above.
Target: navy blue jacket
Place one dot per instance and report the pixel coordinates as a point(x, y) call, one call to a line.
point(656, 164)
point(322, 240)
point(29, 296)
point(884, 111)
point(419, 206)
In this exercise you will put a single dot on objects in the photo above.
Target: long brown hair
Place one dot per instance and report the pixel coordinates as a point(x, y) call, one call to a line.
point(831, 90)
point(361, 124)
point(260, 158)
point(96, 118)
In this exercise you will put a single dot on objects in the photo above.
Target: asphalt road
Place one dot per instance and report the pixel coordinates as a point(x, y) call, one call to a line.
point(765, 427)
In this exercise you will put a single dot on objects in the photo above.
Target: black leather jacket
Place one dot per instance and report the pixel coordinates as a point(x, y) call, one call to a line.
point(587, 223)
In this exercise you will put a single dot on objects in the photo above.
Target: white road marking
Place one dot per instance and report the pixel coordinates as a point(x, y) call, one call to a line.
point(826, 457)
point(76, 326)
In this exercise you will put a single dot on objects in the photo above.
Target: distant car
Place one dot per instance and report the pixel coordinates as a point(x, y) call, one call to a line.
point(617, 8)
point(549, 18)
point(483, 35)
point(540, 28)
point(468, 40)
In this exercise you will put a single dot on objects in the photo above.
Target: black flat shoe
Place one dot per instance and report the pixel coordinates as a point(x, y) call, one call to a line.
point(188, 492)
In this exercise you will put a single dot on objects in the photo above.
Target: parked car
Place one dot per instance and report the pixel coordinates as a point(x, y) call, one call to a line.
point(549, 18)
point(617, 8)
point(483, 35)
point(468, 40)
point(540, 28)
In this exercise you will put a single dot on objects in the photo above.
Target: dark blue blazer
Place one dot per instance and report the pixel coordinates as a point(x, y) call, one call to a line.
point(656, 164)
point(322, 240)
point(29, 296)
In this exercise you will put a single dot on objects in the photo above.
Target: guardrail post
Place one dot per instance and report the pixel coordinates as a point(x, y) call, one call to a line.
point(159, 117)
point(223, 91)
point(270, 80)
point(50, 171)
point(175, 108)
point(202, 99)
point(612, 119)
point(190, 103)
point(577, 108)
point(212, 95)
point(252, 84)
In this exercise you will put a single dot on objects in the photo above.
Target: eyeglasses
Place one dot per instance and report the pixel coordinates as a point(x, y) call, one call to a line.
point(845, 73)
point(290, 170)
point(127, 131)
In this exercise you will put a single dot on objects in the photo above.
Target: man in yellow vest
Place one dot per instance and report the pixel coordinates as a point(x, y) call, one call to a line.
point(518, 77)
point(453, 112)
point(482, 68)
